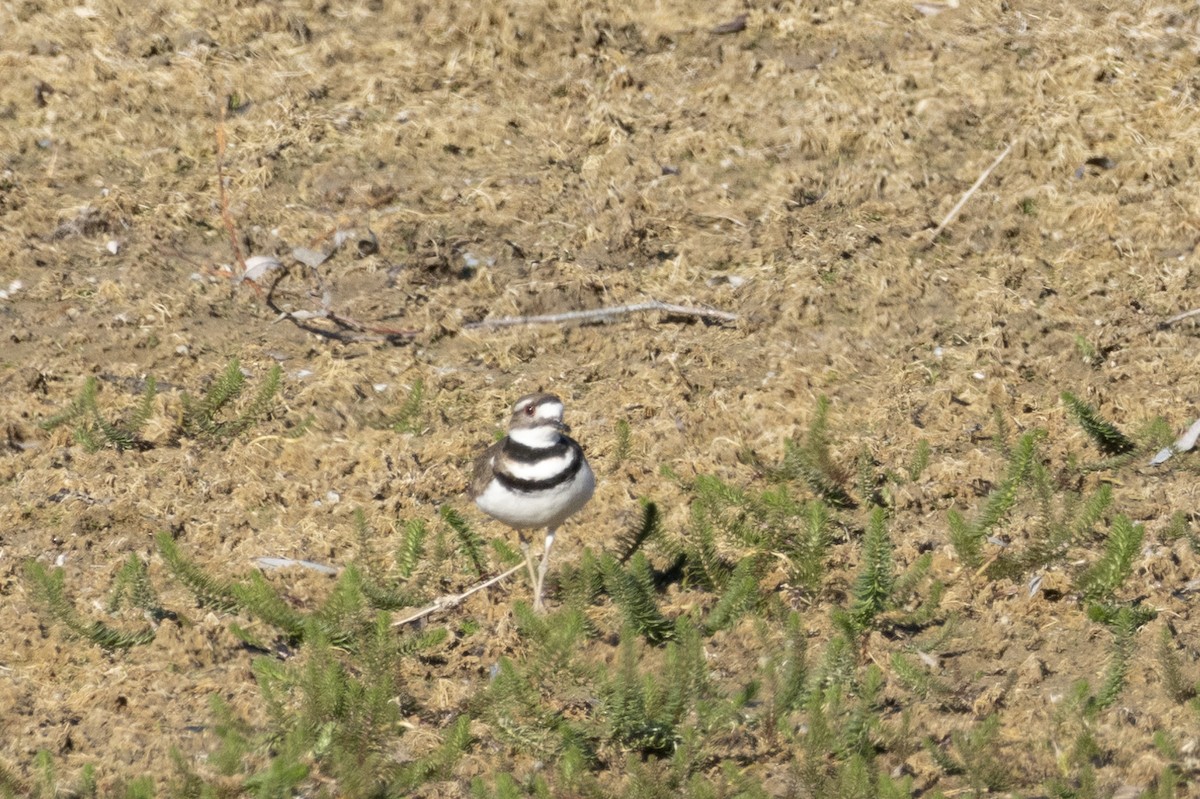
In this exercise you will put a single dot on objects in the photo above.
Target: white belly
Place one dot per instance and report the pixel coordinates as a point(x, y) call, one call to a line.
point(548, 508)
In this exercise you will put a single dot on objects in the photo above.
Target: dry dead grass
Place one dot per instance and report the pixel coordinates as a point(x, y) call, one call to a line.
point(526, 158)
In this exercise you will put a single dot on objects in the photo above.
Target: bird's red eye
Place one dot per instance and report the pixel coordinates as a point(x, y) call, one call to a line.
point(529, 410)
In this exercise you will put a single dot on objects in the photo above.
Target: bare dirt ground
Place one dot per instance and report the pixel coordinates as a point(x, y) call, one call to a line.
point(537, 158)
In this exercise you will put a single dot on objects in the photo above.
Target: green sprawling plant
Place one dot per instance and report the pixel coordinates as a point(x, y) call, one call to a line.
point(356, 596)
point(811, 461)
point(976, 755)
point(335, 710)
point(333, 714)
point(624, 445)
point(1179, 527)
point(210, 417)
point(920, 460)
point(1100, 581)
point(132, 586)
point(633, 590)
point(968, 537)
point(470, 544)
point(807, 566)
point(46, 783)
point(638, 710)
point(728, 519)
point(781, 629)
point(412, 547)
point(1123, 622)
point(12, 786)
point(704, 566)
point(210, 591)
point(94, 431)
point(1104, 433)
point(202, 418)
point(1063, 519)
point(740, 596)
point(49, 590)
point(650, 528)
point(409, 417)
point(876, 579)
point(1179, 687)
point(514, 707)
point(389, 586)
point(838, 754)
point(1057, 518)
point(785, 674)
point(1088, 352)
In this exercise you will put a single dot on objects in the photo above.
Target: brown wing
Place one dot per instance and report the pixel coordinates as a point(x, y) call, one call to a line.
point(482, 474)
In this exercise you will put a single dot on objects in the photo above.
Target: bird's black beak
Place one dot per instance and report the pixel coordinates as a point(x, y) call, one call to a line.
point(564, 427)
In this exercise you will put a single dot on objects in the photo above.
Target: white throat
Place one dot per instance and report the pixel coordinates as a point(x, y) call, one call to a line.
point(540, 437)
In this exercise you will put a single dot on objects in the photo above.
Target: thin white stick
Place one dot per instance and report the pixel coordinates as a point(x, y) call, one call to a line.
point(1179, 317)
point(450, 600)
point(959, 205)
point(602, 313)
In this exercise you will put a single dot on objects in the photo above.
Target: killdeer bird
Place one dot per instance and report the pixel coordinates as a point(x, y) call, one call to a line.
point(534, 477)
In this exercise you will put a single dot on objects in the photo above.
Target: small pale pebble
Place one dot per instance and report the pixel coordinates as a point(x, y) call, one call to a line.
point(182, 349)
point(380, 387)
point(979, 376)
point(303, 373)
point(113, 246)
point(332, 497)
point(61, 559)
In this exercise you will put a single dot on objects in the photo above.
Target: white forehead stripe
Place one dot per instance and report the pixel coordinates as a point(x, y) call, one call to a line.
point(550, 411)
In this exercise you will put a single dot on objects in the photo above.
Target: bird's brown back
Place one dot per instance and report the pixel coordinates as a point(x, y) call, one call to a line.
point(482, 474)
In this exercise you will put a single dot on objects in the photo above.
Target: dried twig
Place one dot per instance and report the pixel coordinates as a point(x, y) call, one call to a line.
point(227, 217)
point(349, 329)
point(1179, 317)
point(450, 600)
point(602, 314)
point(937, 231)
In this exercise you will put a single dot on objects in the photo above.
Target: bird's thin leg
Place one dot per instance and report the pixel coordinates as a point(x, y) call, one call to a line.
point(533, 579)
point(541, 575)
